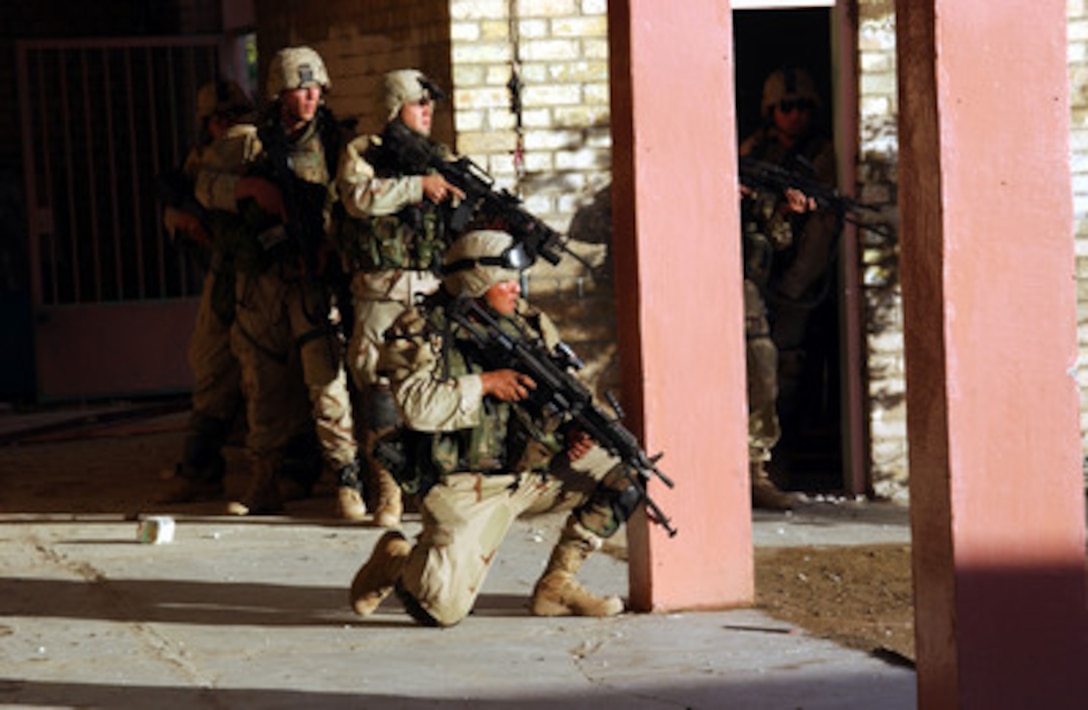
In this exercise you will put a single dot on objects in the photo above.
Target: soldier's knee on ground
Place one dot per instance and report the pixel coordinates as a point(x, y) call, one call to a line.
point(442, 611)
point(418, 613)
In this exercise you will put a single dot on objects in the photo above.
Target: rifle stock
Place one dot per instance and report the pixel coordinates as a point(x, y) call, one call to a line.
point(560, 391)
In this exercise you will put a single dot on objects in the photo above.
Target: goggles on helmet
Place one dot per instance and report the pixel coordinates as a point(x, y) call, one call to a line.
point(516, 257)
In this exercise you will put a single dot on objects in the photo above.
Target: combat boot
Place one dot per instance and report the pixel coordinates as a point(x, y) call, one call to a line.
point(262, 496)
point(375, 579)
point(380, 418)
point(349, 497)
point(389, 507)
point(199, 475)
point(558, 593)
point(181, 489)
point(765, 494)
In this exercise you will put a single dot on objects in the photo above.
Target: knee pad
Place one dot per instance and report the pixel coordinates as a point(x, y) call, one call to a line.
point(414, 608)
point(611, 504)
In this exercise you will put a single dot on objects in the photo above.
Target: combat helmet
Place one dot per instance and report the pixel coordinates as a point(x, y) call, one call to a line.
point(405, 86)
point(296, 68)
point(789, 84)
point(224, 97)
point(480, 259)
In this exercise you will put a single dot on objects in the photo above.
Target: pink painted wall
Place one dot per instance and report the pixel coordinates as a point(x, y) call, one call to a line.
point(677, 252)
point(990, 317)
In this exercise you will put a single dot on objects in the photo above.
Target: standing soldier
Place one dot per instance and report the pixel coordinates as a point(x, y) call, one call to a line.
point(787, 253)
point(226, 145)
point(393, 241)
point(283, 305)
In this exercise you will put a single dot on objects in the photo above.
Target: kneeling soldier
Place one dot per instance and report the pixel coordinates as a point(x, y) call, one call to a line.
point(481, 455)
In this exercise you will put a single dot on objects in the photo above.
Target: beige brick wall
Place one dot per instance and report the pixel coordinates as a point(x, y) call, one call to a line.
point(877, 177)
point(1078, 141)
point(360, 41)
point(559, 50)
point(877, 158)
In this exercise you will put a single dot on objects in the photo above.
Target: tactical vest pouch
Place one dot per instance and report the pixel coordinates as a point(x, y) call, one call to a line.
point(758, 257)
point(529, 446)
point(406, 240)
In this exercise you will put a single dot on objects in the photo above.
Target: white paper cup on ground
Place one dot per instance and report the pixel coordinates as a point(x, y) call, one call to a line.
point(156, 530)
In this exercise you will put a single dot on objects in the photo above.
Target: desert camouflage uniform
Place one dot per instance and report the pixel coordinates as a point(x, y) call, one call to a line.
point(392, 240)
point(467, 512)
point(283, 311)
point(217, 400)
point(765, 232)
point(478, 462)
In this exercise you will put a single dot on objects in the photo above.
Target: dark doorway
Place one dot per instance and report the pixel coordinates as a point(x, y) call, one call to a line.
point(809, 456)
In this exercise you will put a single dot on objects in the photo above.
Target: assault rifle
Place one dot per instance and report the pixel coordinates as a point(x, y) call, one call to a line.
point(304, 204)
point(761, 175)
point(560, 392)
point(416, 154)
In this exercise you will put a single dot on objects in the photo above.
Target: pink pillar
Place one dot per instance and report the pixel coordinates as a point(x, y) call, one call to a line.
point(679, 295)
point(991, 318)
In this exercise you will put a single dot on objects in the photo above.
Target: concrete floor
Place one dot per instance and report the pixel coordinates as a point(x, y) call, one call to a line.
point(240, 613)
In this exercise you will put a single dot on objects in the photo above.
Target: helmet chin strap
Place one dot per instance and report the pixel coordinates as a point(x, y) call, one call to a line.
point(290, 119)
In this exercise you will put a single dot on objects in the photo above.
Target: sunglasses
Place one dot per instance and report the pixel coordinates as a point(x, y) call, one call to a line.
point(787, 106)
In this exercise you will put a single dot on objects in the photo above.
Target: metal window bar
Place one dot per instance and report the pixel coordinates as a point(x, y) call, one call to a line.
point(85, 102)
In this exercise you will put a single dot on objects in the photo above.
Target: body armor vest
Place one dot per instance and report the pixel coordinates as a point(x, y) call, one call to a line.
point(311, 157)
point(414, 238)
point(507, 439)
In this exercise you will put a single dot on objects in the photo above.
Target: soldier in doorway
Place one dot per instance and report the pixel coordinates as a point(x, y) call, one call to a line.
point(788, 251)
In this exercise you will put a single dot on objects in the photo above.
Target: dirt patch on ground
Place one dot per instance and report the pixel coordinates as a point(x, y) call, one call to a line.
point(858, 596)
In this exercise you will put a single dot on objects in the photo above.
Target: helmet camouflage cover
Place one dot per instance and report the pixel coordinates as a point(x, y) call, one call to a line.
point(464, 270)
point(405, 86)
point(789, 85)
point(296, 68)
point(223, 97)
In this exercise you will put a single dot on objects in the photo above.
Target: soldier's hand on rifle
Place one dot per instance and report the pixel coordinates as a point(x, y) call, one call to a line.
point(798, 202)
point(265, 193)
point(507, 385)
point(436, 189)
point(193, 228)
point(578, 444)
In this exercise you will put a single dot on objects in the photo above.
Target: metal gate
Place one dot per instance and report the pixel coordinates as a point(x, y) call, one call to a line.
point(113, 300)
